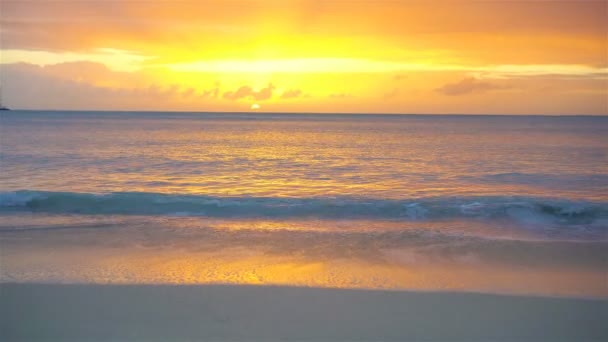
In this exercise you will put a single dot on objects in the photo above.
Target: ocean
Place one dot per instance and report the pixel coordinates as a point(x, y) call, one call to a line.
point(493, 204)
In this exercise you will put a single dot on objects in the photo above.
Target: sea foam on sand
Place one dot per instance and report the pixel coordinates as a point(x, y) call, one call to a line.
point(270, 313)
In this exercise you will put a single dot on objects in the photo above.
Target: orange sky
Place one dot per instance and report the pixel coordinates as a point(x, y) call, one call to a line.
point(386, 56)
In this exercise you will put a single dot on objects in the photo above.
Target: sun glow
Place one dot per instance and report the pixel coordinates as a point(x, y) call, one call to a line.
point(307, 56)
point(305, 65)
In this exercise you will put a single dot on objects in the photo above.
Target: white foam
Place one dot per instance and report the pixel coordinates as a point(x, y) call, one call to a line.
point(415, 212)
point(573, 209)
point(529, 216)
point(19, 198)
point(474, 208)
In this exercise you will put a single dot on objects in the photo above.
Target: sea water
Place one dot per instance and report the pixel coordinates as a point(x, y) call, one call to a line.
point(504, 204)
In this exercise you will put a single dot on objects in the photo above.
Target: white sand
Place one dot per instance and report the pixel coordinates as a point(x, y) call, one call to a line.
point(245, 313)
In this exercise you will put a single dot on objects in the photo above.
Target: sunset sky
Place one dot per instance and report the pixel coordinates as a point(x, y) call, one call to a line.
point(512, 57)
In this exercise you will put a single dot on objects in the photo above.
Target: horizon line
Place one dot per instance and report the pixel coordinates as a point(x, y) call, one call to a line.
point(296, 113)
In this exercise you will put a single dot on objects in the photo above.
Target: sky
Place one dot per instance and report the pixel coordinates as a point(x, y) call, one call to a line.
point(355, 56)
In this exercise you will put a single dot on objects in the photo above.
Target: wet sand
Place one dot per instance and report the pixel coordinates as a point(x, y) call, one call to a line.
point(272, 313)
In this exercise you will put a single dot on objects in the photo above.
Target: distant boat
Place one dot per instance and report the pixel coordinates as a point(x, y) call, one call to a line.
point(3, 108)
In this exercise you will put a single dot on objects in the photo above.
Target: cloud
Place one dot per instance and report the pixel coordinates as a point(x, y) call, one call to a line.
point(83, 24)
point(211, 93)
point(468, 86)
point(85, 72)
point(393, 93)
point(292, 93)
point(242, 92)
point(265, 93)
point(69, 86)
point(248, 92)
point(188, 92)
point(340, 96)
point(540, 70)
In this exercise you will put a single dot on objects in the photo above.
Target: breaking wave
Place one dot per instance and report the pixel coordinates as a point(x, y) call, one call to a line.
point(521, 209)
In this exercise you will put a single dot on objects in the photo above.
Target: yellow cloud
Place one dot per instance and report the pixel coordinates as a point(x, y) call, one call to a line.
point(115, 59)
point(213, 53)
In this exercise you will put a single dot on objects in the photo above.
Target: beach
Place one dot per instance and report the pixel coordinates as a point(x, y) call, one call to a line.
point(341, 170)
point(238, 227)
point(271, 313)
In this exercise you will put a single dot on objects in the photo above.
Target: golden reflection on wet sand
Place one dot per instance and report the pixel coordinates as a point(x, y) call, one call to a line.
point(246, 266)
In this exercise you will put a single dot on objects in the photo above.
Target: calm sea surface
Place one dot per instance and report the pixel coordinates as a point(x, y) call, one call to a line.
point(475, 203)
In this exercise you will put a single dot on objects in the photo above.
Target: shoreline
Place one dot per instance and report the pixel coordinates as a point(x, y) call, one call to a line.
point(32, 311)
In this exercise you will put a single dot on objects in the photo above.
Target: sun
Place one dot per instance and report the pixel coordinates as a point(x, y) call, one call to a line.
point(255, 106)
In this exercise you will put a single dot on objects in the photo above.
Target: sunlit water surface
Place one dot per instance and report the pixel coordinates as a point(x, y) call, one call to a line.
point(492, 204)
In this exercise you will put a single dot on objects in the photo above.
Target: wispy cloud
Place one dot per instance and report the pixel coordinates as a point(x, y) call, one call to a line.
point(353, 65)
point(468, 86)
point(340, 96)
point(248, 92)
point(292, 93)
point(391, 94)
point(535, 70)
point(88, 85)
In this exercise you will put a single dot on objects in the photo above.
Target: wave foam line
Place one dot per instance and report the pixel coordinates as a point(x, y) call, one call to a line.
point(525, 209)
